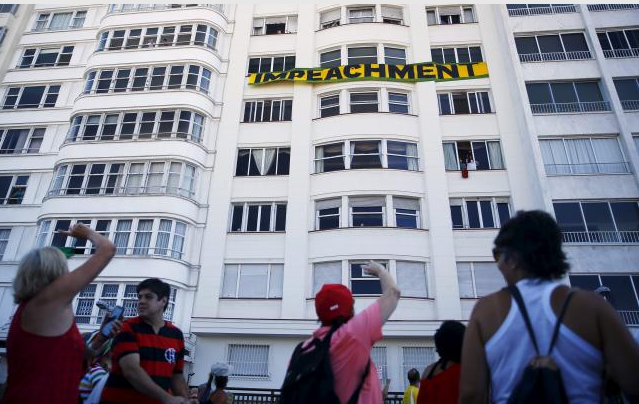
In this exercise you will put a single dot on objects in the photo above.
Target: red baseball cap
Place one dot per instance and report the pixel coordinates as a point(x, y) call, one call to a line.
point(333, 301)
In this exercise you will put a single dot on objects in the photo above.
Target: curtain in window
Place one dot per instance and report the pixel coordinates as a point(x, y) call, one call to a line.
point(328, 204)
point(143, 237)
point(121, 239)
point(581, 156)
point(178, 240)
point(488, 279)
point(609, 156)
point(269, 160)
point(326, 272)
point(392, 12)
point(367, 201)
point(430, 17)
point(406, 203)
point(258, 155)
point(450, 157)
point(378, 356)
point(60, 20)
point(292, 24)
point(494, 153)
point(411, 150)
point(411, 279)
point(319, 163)
point(554, 155)
point(162, 240)
point(276, 281)
point(330, 15)
point(465, 280)
point(229, 283)
point(253, 279)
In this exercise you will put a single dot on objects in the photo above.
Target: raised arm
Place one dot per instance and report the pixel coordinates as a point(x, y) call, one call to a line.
point(390, 292)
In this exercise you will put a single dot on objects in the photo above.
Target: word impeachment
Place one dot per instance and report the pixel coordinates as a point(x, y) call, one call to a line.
point(379, 72)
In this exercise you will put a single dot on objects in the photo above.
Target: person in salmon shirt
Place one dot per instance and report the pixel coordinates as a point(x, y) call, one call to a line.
point(440, 384)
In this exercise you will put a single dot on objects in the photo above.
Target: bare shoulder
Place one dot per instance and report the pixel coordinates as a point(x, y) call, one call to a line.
point(490, 312)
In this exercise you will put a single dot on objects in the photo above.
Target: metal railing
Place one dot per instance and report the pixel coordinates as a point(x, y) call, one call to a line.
point(206, 43)
point(595, 237)
point(630, 105)
point(167, 252)
point(611, 7)
point(124, 190)
point(588, 168)
point(554, 9)
point(132, 137)
point(554, 56)
point(272, 396)
point(621, 53)
point(570, 107)
point(630, 317)
point(120, 8)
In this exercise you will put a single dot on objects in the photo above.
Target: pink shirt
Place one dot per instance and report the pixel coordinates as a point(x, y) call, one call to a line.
point(350, 350)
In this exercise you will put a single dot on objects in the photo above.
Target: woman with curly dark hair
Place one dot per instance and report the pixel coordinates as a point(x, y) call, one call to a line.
point(497, 344)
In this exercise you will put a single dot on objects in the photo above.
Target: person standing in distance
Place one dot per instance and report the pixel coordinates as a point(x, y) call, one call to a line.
point(148, 354)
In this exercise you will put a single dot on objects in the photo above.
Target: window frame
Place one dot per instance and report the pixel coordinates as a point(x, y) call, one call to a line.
point(13, 187)
point(470, 96)
point(34, 134)
point(44, 24)
point(273, 216)
point(287, 25)
point(285, 110)
point(286, 58)
point(494, 201)
point(62, 51)
point(262, 168)
point(472, 150)
point(383, 153)
point(462, 16)
point(49, 90)
point(238, 280)
point(151, 37)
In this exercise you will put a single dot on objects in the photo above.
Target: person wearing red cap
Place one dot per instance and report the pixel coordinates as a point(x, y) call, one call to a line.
point(352, 342)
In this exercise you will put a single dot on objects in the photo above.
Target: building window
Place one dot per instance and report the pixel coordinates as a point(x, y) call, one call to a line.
point(166, 236)
point(394, 56)
point(148, 78)
point(363, 101)
point(43, 96)
point(571, 156)
point(367, 211)
point(621, 290)
point(463, 54)
point(258, 217)
point(8, 8)
point(268, 110)
point(327, 213)
point(21, 140)
point(12, 189)
point(4, 240)
point(417, 357)
point(478, 279)
point(517, 10)
point(330, 18)
point(475, 155)
point(267, 161)
point(84, 304)
point(267, 64)
point(411, 278)
point(378, 357)
point(628, 92)
point(248, 361)
point(566, 97)
point(155, 177)
point(151, 37)
point(447, 15)
point(360, 14)
point(60, 21)
point(392, 15)
point(552, 47)
point(361, 283)
point(133, 125)
point(329, 105)
point(620, 44)
point(459, 103)
point(43, 57)
point(286, 24)
point(381, 153)
point(398, 103)
point(598, 221)
point(406, 212)
point(326, 273)
point(361, 55)
point(3, 33)
point(253, 281)
point(479, 213)
point(331, 58)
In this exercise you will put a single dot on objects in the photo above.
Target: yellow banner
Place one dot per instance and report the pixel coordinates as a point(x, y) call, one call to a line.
point(378, 72)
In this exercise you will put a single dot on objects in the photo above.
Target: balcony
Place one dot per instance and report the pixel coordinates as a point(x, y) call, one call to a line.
point(131, 8)
point(554, 56)
point(570, 107)
point(611, 7)
point(630, 105)
point(630, 317)
point(554, 9)
point(588, 168)
point(601, 237)
point(124, 190)
point(621, 53)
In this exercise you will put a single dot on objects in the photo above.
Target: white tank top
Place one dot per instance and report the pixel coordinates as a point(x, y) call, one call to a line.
point(510, 349)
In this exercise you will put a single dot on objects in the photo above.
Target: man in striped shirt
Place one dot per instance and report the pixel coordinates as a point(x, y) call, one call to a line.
point(148, 354)
point(99, 369)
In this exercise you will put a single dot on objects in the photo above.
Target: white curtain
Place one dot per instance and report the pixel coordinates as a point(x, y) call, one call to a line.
point(494, 153)
point(142, 237)
point(609, 156)
point(121, 239)
point(253, 279)
point(229, 283)
point(581, 156)
point(276, 281)
point(392, 12)
point(328, 204)
point(178, 240)
point(450, 157)
point(465, 280)
point(411, 151)
point(430, 17)
point(269, 159)
point(134, 178)
point(60, 20)
point(554, 155)
point(406, 203)
point(319, 163)
point(258, 155)
point(164, 233)
point(292, 24)
point(488, 279)
point(330, 15)
point(326, 272)
point(411, 279)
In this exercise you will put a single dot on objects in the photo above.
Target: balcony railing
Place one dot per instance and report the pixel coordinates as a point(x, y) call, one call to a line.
point(588, 168)
point(630, 105)
point(596, 237)
point(554, 9)
point(570, 107)
point(271, 396)
point(611, 7)
point(554, 56)
point(630, 317)
point(129, 8)
point(621, 53)
point(123, 190)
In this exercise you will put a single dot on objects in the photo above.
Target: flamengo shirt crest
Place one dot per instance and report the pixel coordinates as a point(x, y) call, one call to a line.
point(161, 355)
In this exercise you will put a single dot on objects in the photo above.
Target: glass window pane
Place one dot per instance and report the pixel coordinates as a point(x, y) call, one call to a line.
point(549, 43)
point(574, 42)
point(622, 294)
point(569, 217)
point(563, 92)
point(588, 92)
point(598, 216)
point(538, 93)
point(473, 214)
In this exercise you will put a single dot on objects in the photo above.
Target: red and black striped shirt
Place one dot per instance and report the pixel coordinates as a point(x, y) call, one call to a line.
point(161, 355)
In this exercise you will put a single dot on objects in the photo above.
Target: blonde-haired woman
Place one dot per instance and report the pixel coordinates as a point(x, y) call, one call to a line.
point(45, 350)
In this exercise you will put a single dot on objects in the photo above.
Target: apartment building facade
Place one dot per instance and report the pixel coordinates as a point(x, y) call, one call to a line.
point(139, 121)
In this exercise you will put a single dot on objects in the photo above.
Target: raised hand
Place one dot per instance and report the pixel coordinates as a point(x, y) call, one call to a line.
point(373, 268)
point(78, 230)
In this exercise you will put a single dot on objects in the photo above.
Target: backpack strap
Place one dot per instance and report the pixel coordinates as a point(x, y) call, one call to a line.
point(555, 332)
point(355, 396)
point(514, 291)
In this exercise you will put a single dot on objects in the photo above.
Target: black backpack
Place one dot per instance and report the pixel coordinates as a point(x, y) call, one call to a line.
point(541, 381)
point(309, 377)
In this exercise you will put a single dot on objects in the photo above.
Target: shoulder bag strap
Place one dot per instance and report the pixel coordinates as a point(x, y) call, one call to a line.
point(514, 291)
point(555, 332)
point(355, 395)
